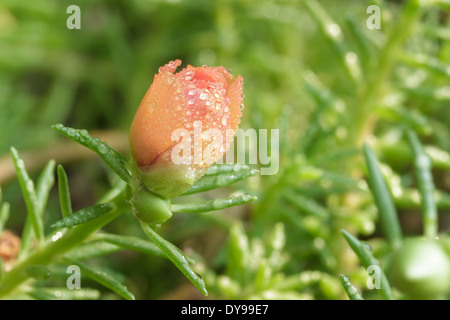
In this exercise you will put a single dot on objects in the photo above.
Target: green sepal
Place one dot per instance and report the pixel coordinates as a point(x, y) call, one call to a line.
point(170, 180)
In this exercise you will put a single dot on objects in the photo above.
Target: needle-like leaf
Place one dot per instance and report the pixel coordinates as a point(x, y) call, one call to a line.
point(176, 256)
point(31, 200)
point(64, 193)
point(365, 256)
point(84, 215)
point(383, 199)
point(110, 156)
point(211, 205)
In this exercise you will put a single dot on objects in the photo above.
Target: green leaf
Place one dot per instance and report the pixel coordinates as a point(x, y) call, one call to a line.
point(4, 215)
point(44, 184)
point(104, 278)
point(39, 272)
point(216, 169)
point(383, 199)
point(424, 177)
point(298, 281)
point(176, 256)
point(133, 243)
point(92, 249)
point(365, 256)
point(238, 254)
point(351, 291)
point(64, 192)
point(62, 293)
point(110, 156)
point(220, 180)
point(427, 63)
point(211, 205)
point(84, 215)
point(332, 32)
point(31, 199)
point(366, 49)
point(274, 245)
point(306, 205)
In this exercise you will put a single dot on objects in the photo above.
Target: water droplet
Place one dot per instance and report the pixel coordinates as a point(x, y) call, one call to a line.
point(170, 80)
point(191, 102)
point(30, 186)
point(56, 236)
point(351, 57)
point(192, 92)
point(367, 246)
point(20, 164)
point(71, 132)
point(224, 120)
point(84, 133)
point(334, 29)
point(204, 96)
point(102, 148)
point(226, 109)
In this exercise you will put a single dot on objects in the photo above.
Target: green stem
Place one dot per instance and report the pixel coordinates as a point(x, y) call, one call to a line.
point(364, 118)
point(52, 249)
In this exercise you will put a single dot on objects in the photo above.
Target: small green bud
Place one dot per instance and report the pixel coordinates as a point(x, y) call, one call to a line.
point(149, 207)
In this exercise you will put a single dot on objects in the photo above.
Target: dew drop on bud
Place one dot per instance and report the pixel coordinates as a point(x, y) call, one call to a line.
point(224, 120)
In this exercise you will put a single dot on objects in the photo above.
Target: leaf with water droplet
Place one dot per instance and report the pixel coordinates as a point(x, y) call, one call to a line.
point(103, 277)
point(39, 272)
point(109, 155)
point(351, 291)
point(31, 201)
point(367, 259)
point(84, 215)
point(176, 256)
point(209, 182)
point(211, 205)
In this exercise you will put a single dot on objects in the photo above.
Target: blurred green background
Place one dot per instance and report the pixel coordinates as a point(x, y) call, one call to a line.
point(312, 69)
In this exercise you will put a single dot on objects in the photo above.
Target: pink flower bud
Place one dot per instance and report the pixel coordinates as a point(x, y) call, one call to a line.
point(199, 105)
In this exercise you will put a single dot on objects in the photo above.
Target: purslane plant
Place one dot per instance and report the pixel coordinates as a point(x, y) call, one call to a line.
point(206, 95)
point(418, 267)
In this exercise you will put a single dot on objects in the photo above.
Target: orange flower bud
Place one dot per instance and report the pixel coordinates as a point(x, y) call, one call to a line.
point(200, 105)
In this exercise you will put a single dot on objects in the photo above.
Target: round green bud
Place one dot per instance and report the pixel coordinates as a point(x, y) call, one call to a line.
point(421, 269)
point(149, 207)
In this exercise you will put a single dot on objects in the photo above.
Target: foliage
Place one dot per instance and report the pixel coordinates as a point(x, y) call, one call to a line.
point(364, 154)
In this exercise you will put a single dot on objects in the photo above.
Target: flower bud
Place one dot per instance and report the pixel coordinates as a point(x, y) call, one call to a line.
point(150, 208)
point(185, 123)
